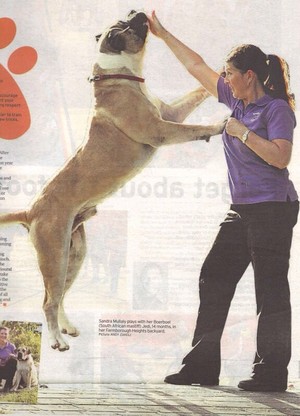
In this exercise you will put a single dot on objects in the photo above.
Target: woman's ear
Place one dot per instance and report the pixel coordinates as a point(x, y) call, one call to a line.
point(251, 75)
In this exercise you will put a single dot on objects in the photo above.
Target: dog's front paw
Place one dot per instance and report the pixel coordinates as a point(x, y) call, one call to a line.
point(221, 125)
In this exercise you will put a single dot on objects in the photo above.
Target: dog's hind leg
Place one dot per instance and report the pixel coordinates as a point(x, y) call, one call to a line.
point(52, 243)
point(76, 258)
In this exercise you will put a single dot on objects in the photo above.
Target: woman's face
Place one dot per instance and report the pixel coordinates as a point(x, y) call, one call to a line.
point(3, 334)
point(237, 81)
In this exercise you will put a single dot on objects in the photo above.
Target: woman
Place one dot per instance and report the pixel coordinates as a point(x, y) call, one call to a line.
point(258, 228)
point(8, 362)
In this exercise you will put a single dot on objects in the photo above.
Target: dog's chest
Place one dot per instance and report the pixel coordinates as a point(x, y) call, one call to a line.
point(151, 98)
point(24, 365)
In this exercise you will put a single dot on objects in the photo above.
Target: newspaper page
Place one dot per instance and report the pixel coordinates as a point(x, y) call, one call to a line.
point(135, 300)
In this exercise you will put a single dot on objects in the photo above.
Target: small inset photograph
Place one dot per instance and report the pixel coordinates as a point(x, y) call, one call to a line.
point(20, 347)
point(150, 286)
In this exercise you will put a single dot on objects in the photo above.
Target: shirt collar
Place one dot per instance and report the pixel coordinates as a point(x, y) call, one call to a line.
point(261, 102)
point(264, 100)
point(4, 346)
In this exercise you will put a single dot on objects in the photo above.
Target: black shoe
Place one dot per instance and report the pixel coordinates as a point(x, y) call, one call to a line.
point(257, 384)
point(187, 380)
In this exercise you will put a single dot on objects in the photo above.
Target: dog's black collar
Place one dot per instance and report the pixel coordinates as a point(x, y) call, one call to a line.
point(103, 77)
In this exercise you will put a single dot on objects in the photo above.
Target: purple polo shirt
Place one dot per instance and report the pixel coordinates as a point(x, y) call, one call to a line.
point(251, 179)
point(5, 352)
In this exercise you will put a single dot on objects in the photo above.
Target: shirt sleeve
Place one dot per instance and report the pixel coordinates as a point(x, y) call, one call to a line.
point(225, 95)
point(12, 348)
point(281, 123)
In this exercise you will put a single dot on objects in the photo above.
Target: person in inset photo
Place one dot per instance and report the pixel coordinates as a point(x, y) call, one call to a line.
point(8, 361)
point(150, 286)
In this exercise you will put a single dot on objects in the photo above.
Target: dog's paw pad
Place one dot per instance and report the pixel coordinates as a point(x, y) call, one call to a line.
point(75, 333)
point(14, 112)
point(55, 346)
point(64, 348)
point(205, 137)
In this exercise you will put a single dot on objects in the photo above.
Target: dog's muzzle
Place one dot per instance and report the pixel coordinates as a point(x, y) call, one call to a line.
point(20, 357)
point(138, 21)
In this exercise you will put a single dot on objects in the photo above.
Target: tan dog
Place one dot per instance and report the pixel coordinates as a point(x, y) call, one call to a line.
point(26, 370)
point(126, 129)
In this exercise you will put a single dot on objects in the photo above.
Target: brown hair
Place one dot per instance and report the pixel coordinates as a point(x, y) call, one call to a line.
point(4, 327)
point(271, 70)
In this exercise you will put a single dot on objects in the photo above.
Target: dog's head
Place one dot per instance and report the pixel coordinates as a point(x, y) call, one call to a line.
point(128, 36)
point(23, 353)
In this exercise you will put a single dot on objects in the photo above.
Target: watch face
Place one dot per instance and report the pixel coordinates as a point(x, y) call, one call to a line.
point(245, 136)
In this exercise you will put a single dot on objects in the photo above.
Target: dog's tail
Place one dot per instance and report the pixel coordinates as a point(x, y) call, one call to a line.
point(19, 217)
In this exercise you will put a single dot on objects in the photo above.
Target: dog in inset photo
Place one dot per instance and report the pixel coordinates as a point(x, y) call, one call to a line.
point(127, 128)
point(26, 372)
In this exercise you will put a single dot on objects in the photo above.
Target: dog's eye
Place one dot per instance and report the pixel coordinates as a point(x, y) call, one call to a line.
point(116, 40)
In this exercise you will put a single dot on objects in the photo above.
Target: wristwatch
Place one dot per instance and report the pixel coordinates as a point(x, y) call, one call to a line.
point(245, 136)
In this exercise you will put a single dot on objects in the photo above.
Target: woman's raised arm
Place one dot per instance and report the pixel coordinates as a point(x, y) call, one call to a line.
point(192, 61)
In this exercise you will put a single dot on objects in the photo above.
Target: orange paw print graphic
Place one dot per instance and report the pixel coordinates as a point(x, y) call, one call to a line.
point(14, 112)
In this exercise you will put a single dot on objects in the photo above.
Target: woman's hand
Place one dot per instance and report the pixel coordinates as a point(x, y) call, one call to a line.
point(235, 128)
point(155, 26)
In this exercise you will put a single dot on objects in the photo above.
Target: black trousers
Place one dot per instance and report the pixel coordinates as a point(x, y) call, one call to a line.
point(7, 372)
point(261, 234)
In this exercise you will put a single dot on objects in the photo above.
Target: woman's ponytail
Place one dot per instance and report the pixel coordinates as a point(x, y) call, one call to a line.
point(278, 81)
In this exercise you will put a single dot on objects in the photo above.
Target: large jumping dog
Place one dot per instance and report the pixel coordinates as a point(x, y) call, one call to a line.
point(127, 127)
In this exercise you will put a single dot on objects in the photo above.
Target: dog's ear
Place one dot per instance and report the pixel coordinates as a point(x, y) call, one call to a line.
point(28, 351)
point(116, 40)
point(98, 37)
